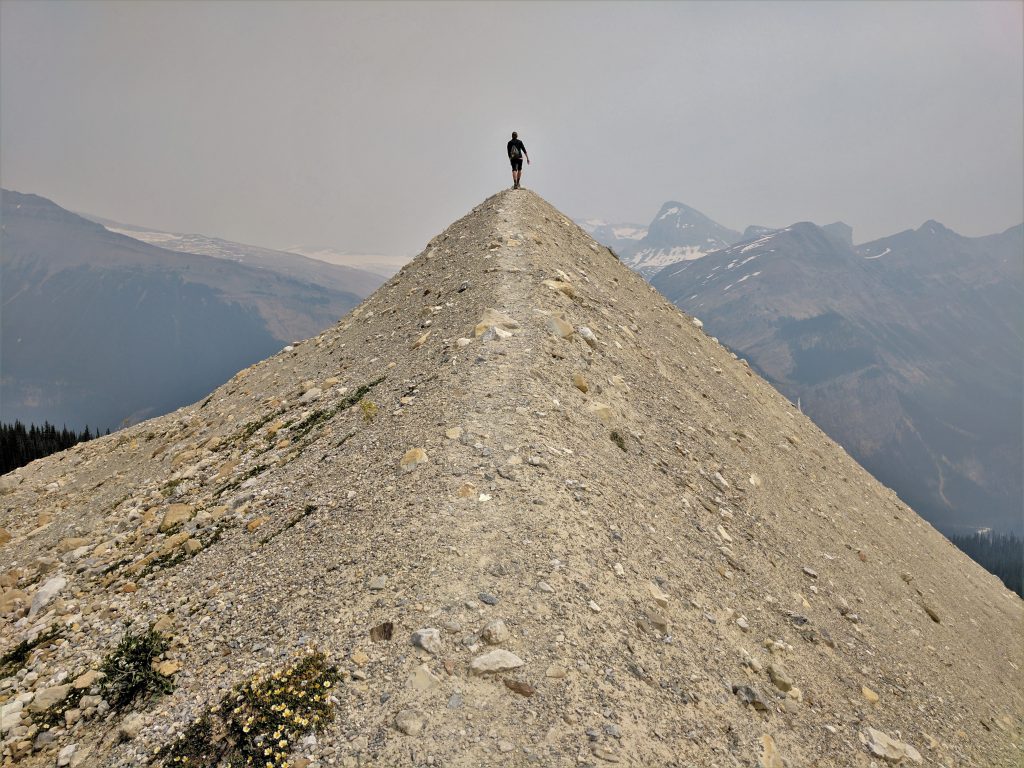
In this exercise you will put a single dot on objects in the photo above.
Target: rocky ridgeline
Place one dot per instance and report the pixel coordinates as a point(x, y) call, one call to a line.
point(530, 514)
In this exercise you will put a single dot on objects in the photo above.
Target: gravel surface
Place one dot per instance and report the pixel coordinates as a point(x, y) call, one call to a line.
point(535, 516)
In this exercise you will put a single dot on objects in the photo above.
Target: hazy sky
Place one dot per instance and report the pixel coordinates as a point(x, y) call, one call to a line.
point(371, 127)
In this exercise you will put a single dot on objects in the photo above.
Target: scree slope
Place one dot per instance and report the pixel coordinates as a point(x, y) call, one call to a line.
point(534, 516)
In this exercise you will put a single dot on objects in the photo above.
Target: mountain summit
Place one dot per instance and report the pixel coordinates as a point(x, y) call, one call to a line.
point(534, 515)
point(678, 233)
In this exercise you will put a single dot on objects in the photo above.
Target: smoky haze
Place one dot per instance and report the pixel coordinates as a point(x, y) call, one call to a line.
point(369, 126)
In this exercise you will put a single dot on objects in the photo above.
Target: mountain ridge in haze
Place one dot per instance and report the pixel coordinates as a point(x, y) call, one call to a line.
point(337, 277)
point(515, 484)
point(99, 327)
point(903, 349)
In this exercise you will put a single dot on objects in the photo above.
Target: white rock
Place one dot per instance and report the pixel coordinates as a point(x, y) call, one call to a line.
point(10, 715)
point(65, 755)
point(410, 722)
point(311, 395)
point(498, 660)
point(45, 594)
point(422, 679)
point(492, 318)
point(602, 410)
point(884, 746)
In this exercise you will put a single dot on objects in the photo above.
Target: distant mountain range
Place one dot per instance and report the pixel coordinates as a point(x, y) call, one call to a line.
point(99, 327)
point(302, 267)
point(362, 272)
point(375, 263)
point(623, 239)
point(677, 233)
point(907, 350)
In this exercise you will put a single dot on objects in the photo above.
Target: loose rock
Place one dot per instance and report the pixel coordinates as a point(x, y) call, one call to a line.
point(498, 660)
point(410, 722)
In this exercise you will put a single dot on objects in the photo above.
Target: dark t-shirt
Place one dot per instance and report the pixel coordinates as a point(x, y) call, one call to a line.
point(518, 143)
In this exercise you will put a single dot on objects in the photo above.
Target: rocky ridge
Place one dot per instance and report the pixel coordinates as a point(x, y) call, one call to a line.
point(535, 516)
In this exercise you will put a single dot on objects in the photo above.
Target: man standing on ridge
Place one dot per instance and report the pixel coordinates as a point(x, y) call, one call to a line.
point(516, 153)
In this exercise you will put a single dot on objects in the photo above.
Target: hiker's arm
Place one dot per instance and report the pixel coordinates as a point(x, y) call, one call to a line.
point(527, 154)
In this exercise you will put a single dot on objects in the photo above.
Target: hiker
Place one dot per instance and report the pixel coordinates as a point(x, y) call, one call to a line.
point(516, 153)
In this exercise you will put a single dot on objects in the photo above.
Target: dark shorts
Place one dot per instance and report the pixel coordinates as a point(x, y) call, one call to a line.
point(517, 165)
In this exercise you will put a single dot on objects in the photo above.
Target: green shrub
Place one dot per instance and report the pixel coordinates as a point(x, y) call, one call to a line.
point(617, 439)
point(128, 669)
point(369, 410)
point(261, 721)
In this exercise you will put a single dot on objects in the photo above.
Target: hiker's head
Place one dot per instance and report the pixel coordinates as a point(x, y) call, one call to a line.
point(515, 135)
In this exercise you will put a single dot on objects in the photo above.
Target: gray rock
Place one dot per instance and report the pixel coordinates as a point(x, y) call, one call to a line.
point(45, 594)
point(410, 722)
point(495, 633)
point(752, 697)
point(130, 727)
point(884, 746)
point(780, 677)
point(428, 639)
point(47, 697)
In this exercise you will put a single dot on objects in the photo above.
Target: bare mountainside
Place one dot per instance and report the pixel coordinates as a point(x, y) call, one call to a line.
point(98, 327)
point(534, 516)
point(906, 350)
